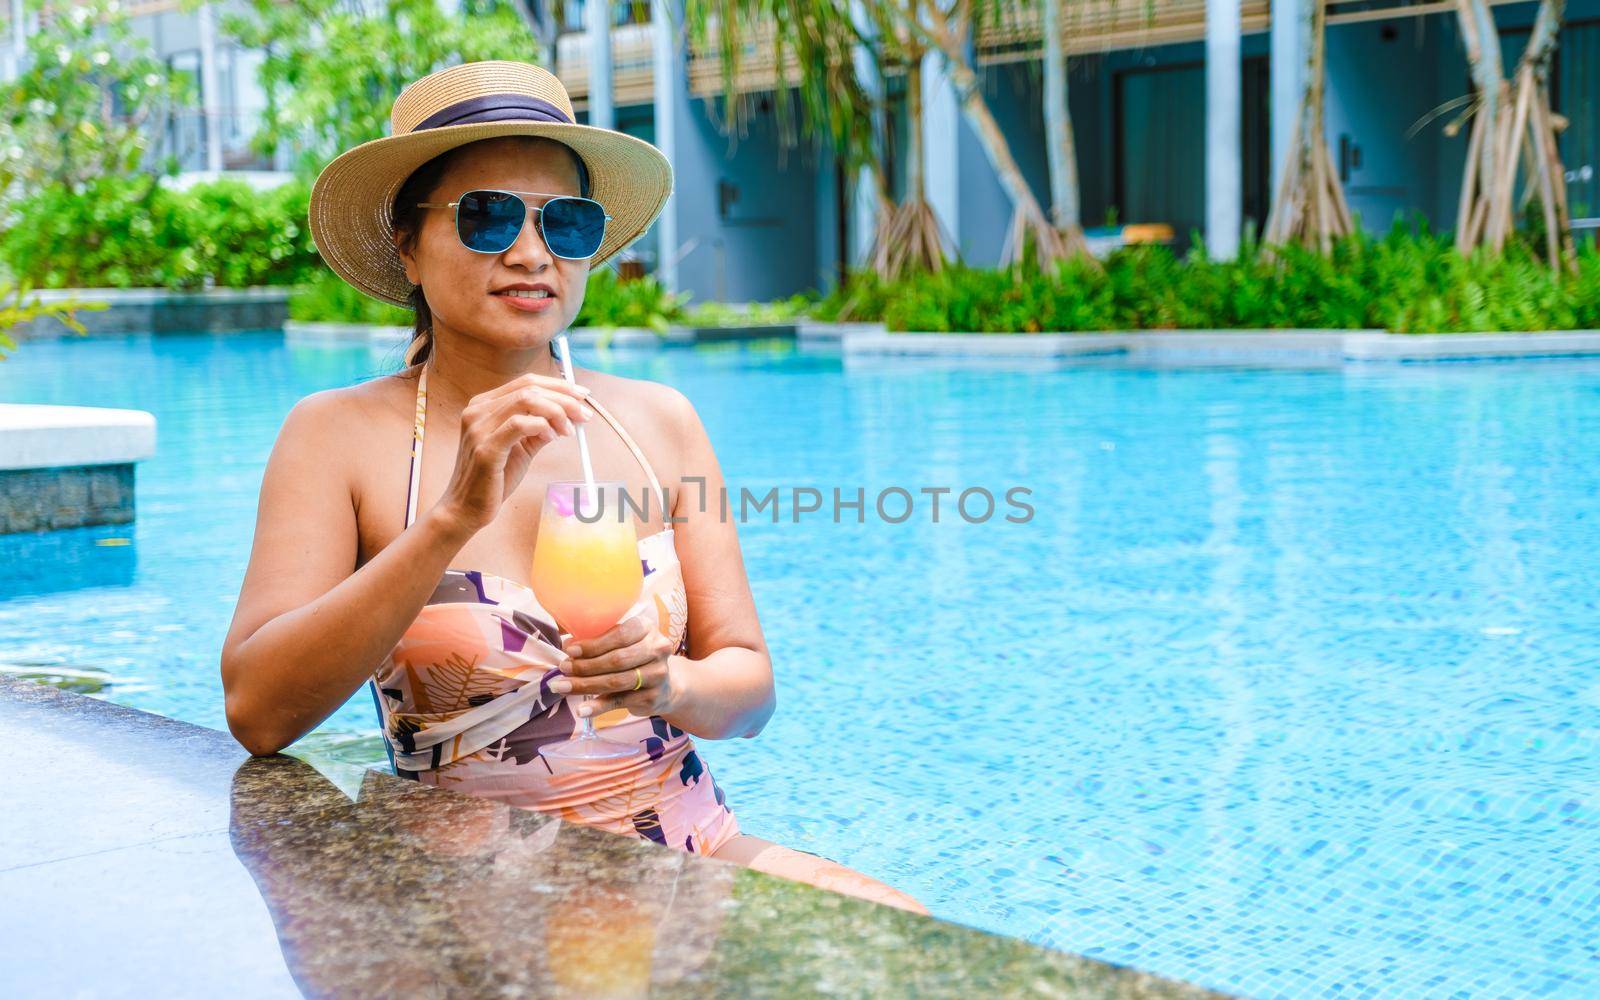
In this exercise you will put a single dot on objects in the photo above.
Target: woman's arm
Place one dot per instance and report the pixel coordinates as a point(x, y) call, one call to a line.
point(308, 631)
point(723, 688)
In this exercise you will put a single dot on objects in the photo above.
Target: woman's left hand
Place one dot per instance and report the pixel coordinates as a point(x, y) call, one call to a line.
point(625, 667)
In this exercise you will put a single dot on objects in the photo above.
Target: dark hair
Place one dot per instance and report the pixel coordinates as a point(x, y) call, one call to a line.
point(406, 217)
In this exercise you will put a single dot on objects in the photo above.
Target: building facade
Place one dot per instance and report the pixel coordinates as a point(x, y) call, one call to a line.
point(1181, 111)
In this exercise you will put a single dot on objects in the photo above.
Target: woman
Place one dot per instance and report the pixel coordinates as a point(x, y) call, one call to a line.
point(397, 517)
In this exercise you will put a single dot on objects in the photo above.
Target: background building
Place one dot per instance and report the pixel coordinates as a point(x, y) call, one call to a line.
point(755, 217)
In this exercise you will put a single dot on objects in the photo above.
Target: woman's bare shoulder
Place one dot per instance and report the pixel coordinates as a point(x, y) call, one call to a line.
point(343, 420)
point(642, 401)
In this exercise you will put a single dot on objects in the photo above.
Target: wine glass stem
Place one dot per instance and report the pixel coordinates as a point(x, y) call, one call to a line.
point(586, 731)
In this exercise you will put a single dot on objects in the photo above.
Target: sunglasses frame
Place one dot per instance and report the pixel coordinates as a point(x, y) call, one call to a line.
point(538, 209)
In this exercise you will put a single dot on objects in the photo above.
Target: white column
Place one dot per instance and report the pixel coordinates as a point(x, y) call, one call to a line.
point(864, 203)
point(597, 17)
point(1224, 166)
point(1291, 47)
point(668, 70)
point(209, 98)
point(17, 44)
point(941, 152)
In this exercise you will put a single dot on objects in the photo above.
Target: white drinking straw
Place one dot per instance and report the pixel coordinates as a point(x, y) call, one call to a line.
point(590, 490)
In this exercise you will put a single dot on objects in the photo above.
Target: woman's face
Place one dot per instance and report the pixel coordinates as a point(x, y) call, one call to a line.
point(466, 290)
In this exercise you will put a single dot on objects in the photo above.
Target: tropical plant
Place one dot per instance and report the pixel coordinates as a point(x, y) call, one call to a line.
point(610, 302)
point(773, 313)
point(327, 298)
point(1408, 281)
point(1060, 145)
point(334, 67)
point(17, 306)
point(1512, 121)
point(126, 232)
point(87, 102)
point(837, 56)
point(1309, 207)
point(947, 26)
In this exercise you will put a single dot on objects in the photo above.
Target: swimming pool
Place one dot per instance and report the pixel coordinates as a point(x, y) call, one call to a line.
point(1289, 687)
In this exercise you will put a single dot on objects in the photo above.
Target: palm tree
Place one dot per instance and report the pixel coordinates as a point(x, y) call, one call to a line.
point(908, 236)
point(1309, 206)
point(947, 26)
point(815, 45)
point(1512, 123)
point(1060, 146)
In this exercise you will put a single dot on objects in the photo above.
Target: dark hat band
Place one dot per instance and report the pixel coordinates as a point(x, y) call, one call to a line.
point(494, 108)
point(502, 108)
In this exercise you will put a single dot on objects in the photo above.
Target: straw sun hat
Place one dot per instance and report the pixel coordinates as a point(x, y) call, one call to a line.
point(352, 198)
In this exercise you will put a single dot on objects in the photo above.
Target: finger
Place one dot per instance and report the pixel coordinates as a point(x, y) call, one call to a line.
point(521, 427)
point(624, 633)
point(641, 703)
point(618, 663)
point(487, 417)
point(525, 381)
point(649, 675)
point(563, 412)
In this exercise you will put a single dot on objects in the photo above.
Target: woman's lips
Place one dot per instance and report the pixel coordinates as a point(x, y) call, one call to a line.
point(525, 304)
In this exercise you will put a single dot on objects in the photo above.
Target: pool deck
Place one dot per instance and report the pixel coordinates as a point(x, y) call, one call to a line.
point(143, 856)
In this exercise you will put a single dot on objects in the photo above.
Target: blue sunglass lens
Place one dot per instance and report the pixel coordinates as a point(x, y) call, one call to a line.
point(573, 227)
point(488, 221)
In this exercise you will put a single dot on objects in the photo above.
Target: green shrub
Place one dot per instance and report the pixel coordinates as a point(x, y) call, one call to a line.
point(611, 302)
point(131, 232)
point(248, 237)
point(118, 233)
point(749, 313)
point(328, 298)
point(1409, 281)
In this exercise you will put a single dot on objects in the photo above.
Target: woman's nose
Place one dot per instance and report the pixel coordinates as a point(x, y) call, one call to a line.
point(529, 250)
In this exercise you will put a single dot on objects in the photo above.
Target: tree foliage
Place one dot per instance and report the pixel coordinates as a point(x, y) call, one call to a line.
point(334, 67)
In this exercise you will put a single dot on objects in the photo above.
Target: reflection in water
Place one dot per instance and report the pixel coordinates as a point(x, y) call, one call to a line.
point(410, 891)
point(48, 562)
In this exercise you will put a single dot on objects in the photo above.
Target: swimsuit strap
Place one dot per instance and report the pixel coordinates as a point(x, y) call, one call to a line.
point(627, 439)
point(415, 475)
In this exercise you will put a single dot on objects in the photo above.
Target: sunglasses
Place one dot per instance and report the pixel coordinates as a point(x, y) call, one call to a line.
point(489, 221)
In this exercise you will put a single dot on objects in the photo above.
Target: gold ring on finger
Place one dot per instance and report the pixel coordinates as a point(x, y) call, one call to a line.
point(638, 678)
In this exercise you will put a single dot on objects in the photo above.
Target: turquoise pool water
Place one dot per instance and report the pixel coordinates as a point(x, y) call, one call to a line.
point(1290, 687)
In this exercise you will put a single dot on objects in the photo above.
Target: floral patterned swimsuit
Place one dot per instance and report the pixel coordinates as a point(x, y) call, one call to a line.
point(465, 702)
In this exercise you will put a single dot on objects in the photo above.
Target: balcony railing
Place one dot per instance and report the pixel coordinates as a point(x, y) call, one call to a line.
point(184, 137)
point(1094, 26)
point(632, 72)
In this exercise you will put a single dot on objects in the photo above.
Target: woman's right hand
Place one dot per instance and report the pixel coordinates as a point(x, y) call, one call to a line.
point(501, 431)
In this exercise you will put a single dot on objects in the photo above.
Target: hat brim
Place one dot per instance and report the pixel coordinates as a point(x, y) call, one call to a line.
point(351, 201)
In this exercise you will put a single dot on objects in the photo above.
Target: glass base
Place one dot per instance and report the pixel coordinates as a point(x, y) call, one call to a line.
point(590, 747)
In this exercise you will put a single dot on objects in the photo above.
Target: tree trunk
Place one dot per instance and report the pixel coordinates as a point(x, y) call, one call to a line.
point(1029, 227)
point(1060, 145)
point(1309, 207)
point(1513, 126)
point(908, 237)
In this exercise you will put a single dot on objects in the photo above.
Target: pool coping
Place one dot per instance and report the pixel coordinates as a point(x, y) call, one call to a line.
point(1310, 348)
point(115, 792)
point(42, 436)
point(161, 311)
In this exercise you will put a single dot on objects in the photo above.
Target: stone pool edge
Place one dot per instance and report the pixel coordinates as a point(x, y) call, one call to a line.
point(69, 466)
point(938, 956)
point(1202, 348)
